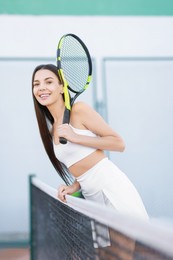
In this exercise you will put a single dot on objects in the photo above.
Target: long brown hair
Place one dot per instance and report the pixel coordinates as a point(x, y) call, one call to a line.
point(44, 118)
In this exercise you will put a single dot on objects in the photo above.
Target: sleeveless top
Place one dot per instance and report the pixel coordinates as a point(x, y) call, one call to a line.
point(71, 153)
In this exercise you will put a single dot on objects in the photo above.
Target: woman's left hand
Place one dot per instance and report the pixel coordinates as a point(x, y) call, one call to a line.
point(67, 132)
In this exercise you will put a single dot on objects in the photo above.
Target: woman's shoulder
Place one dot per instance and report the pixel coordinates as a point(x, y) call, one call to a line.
point(80, 106)
point(79, 113)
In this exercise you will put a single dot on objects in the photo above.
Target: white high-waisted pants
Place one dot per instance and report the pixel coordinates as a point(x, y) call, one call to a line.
point(105, 183)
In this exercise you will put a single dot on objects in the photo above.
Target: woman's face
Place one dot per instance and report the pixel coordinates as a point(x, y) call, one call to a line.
point(46, 87)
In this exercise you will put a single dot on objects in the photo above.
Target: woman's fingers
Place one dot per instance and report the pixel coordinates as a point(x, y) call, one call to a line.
point(62, 192)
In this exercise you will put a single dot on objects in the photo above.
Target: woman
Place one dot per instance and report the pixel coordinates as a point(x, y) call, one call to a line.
point(83, 156)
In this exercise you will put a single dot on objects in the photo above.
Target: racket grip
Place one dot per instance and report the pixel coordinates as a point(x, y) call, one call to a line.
point(62, 140)
point(66, 120)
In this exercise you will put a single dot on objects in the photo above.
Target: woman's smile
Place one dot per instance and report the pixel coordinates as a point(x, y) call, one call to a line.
point(44, 96)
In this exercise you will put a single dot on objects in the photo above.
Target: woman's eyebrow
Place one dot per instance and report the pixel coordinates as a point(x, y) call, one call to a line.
point(44, 79)
point(48, 78)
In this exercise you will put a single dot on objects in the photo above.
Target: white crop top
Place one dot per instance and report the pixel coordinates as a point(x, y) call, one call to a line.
point(72, 153)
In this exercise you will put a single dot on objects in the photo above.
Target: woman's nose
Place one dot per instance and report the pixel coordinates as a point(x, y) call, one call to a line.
point(42, 87)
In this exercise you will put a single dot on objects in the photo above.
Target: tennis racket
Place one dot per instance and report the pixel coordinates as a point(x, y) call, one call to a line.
point(75, 69)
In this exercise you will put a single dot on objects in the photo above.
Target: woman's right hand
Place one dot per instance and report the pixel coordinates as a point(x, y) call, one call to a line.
point(63, 190)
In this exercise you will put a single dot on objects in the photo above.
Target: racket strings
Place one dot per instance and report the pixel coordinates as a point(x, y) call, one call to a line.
point(75, 73)
point(74, 62)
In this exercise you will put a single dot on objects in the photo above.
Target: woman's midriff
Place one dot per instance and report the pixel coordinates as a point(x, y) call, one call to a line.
point(87, 163)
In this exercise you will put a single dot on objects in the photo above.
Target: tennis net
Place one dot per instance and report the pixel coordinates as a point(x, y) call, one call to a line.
point(81, 229)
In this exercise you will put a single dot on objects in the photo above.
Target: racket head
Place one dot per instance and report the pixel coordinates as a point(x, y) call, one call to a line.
point(75, 70)
point(74, 63)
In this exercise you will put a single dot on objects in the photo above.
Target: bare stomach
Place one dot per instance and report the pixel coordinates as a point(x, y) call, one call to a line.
point(87, 163)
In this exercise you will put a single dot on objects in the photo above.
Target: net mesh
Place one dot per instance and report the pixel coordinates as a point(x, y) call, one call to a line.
point(59, 231)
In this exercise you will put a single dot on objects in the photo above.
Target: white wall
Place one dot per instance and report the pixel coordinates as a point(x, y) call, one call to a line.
point(21, 150)
point(141, 110)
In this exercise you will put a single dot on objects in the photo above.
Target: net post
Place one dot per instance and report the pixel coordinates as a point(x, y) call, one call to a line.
point(31, 176)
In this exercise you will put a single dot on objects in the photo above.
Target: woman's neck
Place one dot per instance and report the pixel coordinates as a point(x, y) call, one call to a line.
point(57, 112)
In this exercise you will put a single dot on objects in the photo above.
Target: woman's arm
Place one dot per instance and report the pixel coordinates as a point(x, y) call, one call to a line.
point(83, 116)
point(63, 190)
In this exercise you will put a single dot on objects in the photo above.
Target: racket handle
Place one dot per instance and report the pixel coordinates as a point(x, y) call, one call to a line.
point(66, 120)
point(62, 140)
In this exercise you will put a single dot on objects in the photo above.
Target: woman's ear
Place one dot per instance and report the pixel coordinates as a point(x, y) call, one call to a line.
point(62, 89)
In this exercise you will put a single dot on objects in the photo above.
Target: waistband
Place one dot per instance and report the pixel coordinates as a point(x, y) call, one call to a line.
point(94, 168)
